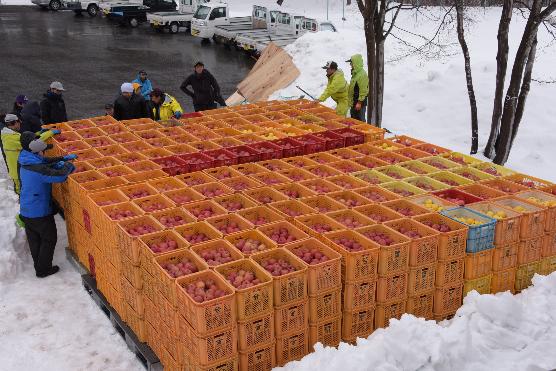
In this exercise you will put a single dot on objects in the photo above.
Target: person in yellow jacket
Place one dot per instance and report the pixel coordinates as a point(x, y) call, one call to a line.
point(358, 88)
point(163, 106)
point(11, 145)
point(337, 88)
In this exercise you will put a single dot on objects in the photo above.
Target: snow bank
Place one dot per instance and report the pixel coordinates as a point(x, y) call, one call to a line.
point(489, 332)
point(427, 98)
point(16, 2)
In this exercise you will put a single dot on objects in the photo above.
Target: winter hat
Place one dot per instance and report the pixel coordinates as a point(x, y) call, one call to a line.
point(10, 117)
point(330, 64)
point(20, 99)
point(57, 85)
point(127, 87)
point(29, 142)
point(157, 92)
point(199, 63)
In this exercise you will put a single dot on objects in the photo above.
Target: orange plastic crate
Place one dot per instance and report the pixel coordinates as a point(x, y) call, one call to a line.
point(256, 331)
point(113, 150)
point(387, 311)
point(421, 305)
point(287, 288)
point(212, 189)
point(103, 162)
point(136, 147)
point(418, 167)
point(449, 272)
point(349, 198)
point(350, 218)
point(205, 145)
point(505, 186)
point(359, 295)
point(482, 191)
point(118, 170)
point(128, 243)
point(392, 286)
point(530, 250)
point(205, 230)
point(248, 169)
point(323, 204)
point(478, 264)
point(297, 175)
point(153, 203)
point(237, 239)
point(358, 323)
point(203, 250)
point(145, 175)
point(195, 178)
point(323, 171)
point(507, 228)
point(533, 218)
point(320, 186)
point(377, 194)
point(327, 332)
point(143, 165)
point(291, 208)
point(322, 157)
point(262, 357)
point(274, 231)
point(503, 281)
point(235, 202)
point(542, 200)
point(347, 182)
point(230, 223)
point(166, 281)
point(270, 178)
point(421, 279)
point(347, 166)
point(549, 245)
point(260, 215)
point(294, 190)
point(394, 257)
point(183, 196)
point(222, 172)
point(241, 183)
point(370, 162)
point(292, 347)
point(452, 243)
point(155, 153)
point(265, 195)
point(406, 208)
point(504, 257)
point(423, 246)
point(412, 153)
point(317, 224)
point(391, 158)
point(181, 149)
point(173, 217)
point(148, 242)
point(447, 299)
point(356, 265)
point(253, 301)
point(209, 316)
point(276, 165)
point(324, 276)
point(291, 317)
point(528, 181)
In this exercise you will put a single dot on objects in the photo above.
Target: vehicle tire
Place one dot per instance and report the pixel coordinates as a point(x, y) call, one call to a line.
point(174, 27)
point(215, 39)
point(55, 5)
point(133, 22)
point(205, 41)
point(92, 9)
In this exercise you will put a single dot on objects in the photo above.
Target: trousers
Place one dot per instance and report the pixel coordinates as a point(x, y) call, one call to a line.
point(42, 237)
point(360, 115)
point(204, 107)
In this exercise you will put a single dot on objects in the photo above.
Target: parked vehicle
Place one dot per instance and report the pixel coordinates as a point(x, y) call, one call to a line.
point(210, 15)
point(90, 6)
point(261, 19)
point(173, 21)
point(133, 14)
point(54, 5)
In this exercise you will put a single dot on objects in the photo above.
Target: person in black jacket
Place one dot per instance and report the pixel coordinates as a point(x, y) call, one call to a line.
point(205, 89)
point(31, 117)
point(53, 107)
point(128, 105)
point(20, 102)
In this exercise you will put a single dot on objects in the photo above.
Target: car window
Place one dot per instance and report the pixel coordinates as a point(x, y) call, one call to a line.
point(218, 13)
point(202, 12)
point(327, 27)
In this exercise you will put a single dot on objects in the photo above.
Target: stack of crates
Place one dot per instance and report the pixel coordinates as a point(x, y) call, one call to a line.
point(324, 285)
point(547, 201)
point(479, 248)
point(291, 306)
point(532, 220)
point(504, 254)
point(255, 316)
point(448, 286)
point(423, 250)
point(359, 280)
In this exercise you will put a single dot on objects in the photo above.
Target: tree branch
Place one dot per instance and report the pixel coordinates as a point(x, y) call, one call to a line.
point(392, 22)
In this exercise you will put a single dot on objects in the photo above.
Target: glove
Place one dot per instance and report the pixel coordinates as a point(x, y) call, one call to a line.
point(19, 222)
point(71, 156)
point(177, 114)
point(58, 165)
point(56, 131)
point(358, 106)
point(43, 131)
point(70, 167)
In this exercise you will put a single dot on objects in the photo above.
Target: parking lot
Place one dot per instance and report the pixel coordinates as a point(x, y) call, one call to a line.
point(92, 57)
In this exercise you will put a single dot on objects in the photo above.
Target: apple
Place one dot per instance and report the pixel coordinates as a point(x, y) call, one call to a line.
point(120, 214)
point(243, 279)
point(204, 290)
point(321, 227)
point(202, 212)
point(183, 268)
point(380, 238)
point(140, 230)
point(172, 221)
point(228, 227)
point(249, 246)
point(216, 256)
point(282, 236)
point(277, 267)
point(163, 246)
point(441, 227)
point(373, 196)
point(310, 256)
point(196, 237)
point(349, 244)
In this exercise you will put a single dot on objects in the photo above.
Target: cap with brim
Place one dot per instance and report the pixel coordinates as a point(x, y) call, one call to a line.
point(330, 64)
point(57, 85)
point(348, 61)
point(126, 87)
point(10, 117)
point(20, 99)
point(38, 145)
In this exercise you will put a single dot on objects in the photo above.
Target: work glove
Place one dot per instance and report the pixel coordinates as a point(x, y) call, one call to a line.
point(58, 165)
point(56, 131)
point(19, 222)
point(70, 167)
point(43, 131)
point(71, 156)
point(358, 106)
point(177, 114)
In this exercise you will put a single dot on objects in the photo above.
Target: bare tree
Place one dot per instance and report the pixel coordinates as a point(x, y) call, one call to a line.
point(501, 68)
point(520, 81)
point(468, 77)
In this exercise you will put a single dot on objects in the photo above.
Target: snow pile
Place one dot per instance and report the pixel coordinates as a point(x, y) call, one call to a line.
point(427, 98)
point(13, 250)
point(489, 332)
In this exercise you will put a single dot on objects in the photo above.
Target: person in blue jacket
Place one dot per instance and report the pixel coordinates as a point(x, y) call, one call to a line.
point(36, 174)
point(145, 83)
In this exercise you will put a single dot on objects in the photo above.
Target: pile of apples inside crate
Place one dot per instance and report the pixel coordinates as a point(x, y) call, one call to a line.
point(284, 225)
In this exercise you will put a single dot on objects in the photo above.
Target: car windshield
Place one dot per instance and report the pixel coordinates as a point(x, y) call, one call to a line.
point(202, 12)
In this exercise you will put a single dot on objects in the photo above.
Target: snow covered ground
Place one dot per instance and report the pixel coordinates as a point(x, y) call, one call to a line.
point(52, 324)
point(502, 332)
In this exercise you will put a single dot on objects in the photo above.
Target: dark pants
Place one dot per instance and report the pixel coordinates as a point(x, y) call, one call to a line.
point(42, 237)
point(204, 107)
point(360, 115)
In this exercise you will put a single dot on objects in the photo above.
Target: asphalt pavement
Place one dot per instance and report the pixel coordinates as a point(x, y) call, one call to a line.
point(93, 56)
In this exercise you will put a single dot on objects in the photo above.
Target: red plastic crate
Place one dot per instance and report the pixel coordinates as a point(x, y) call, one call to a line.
point(245, 154)
point(267, 150)
point(290, 147)
point(454, 194)
point(352, 137)
point(222, 157)
point(197, 161)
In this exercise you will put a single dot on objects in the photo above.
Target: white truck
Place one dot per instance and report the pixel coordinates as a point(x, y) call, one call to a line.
point(261, 19)
point(173, 21)
point(286, 30)
point(212, 14)
point(92, 7)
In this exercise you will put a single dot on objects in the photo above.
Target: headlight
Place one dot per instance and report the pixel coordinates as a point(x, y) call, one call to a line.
point(202, 23)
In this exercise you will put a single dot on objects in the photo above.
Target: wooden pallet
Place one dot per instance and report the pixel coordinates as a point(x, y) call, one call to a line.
point(141, 350)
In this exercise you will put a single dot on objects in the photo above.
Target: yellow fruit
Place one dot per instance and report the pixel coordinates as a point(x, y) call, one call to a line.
point(519, 209)
point(490, 213)
point(428, 201)
point(502, 214)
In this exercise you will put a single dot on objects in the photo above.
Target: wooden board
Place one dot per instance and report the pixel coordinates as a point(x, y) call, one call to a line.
point(235, 99)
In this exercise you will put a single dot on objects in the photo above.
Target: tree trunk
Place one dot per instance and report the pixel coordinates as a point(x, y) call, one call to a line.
point(379, 80)
point(503, 144)
point(371, 61)
point(501, 68)
point(468, 77)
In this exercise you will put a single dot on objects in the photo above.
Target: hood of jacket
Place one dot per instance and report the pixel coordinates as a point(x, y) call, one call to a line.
point(7, 131)
point(52, 96)
point(29, 158)
point(357, 63)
